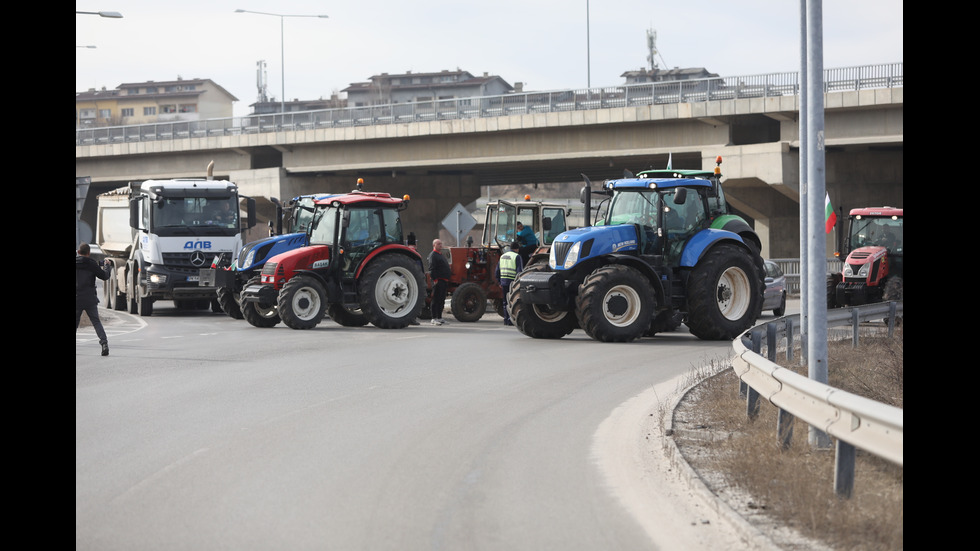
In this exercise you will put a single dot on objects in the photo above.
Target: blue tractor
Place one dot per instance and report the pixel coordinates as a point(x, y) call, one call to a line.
point(667, 249)
point(230, 278)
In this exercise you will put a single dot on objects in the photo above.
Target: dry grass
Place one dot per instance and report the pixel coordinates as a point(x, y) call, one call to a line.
point(743, 462)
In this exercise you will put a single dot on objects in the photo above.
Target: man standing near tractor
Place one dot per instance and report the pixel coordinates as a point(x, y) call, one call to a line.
point(507, 269)
point(440, 273)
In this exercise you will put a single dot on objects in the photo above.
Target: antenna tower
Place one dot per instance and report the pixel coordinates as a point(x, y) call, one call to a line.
point(260, 81)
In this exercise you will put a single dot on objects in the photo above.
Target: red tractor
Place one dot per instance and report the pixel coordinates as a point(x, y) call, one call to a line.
point(873, 268)
point(356, 269)
point(473, 280)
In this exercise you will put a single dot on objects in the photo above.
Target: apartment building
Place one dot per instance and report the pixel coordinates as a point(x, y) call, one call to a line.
point(151, 102)
point(409, 87)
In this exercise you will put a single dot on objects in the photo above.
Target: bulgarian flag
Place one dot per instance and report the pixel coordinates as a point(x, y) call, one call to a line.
point(830, 214)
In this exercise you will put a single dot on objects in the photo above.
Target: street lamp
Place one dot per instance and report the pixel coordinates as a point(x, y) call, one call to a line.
point(282, 48)
point(109, 14)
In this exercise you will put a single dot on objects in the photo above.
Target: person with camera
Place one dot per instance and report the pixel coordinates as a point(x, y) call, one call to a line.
point(86, 299)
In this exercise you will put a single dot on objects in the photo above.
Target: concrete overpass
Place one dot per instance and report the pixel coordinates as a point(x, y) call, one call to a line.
point(442, 162)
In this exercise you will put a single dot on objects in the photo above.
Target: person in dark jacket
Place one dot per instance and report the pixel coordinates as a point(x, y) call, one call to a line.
point(86, 300)
point(440, 272)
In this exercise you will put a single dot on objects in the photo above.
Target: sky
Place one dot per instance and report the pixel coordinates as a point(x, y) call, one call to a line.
point(545, 44)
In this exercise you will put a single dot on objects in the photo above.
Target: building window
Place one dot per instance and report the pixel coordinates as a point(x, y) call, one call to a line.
point(151, 89)
point(188, 109)
point(127, 112)
point(132, 91)
point(188, 87)
point(171, 89)
point(105, 113)
point(86, 113)
point(168, 108)
point(149, 111)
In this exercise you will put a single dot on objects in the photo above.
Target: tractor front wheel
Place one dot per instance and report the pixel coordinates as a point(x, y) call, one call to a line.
point(469, 302)
point(302, 302)
point(537, 321)
point(615, 304)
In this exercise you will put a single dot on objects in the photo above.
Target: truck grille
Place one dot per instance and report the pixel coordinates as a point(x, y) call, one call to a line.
point(185, 261)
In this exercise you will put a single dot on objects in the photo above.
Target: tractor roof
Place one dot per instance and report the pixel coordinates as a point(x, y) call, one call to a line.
point(877, 211)
point(356, 197)
point(671, 173)
point(636, 184)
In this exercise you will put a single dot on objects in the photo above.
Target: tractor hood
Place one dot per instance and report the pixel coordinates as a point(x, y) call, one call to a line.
point(865, 255)
point(576, 245)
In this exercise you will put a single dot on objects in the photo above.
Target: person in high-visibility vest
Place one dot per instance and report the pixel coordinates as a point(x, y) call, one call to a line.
point(507, 269)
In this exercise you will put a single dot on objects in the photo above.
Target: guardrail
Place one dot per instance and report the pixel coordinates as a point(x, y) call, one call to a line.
point(791, 269)
point(855, 421)
point(682, 91)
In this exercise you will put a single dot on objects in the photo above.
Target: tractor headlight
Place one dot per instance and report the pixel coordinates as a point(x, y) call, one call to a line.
point(551, 256)
point(572, 256)
point(249, 258)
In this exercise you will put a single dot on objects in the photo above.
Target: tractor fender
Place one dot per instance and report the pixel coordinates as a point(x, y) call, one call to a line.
point(737, 225)
point(704, 240)
point(385, 249)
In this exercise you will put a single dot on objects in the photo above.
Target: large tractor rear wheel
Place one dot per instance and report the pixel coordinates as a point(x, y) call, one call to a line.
point(537, 320)
point(724, 294)
point(391, 291)
point(469, 302)
point(346, 317)
point(615, 304)
point(302, 302)
point(256, 315)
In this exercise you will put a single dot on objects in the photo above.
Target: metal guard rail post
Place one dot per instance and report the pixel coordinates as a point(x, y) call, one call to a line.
point(854, 420)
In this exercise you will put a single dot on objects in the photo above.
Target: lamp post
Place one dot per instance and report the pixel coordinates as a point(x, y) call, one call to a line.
point(282, 47)
point(109, 14)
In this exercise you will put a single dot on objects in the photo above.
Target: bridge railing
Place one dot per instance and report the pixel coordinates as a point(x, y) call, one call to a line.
point(627, 95)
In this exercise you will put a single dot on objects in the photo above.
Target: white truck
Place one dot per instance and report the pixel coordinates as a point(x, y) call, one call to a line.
point(157, 234)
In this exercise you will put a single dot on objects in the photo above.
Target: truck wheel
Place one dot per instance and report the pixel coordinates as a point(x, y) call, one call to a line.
point(115, 296)
point(469, 302)
point(391, 290)
point(724, 294)
point(615, 304)
point(537, 321)
point(228, 302)
point(345, 317)
point(144, 305)
point(302, 302)
point(131, 294)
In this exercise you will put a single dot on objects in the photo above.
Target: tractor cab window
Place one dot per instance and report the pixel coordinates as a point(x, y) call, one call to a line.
point(324, 226)
point(681, 220)
point(364, 228)
point(393, 226)
point(878, 232)
point(552, 224)
point(501, 225)
point(640, 208)
point(302, 215)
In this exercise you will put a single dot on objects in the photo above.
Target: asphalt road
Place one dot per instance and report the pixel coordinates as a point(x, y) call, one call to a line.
point(202, 432)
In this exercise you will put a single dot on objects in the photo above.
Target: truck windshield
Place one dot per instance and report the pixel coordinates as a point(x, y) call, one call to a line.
point(190, 212)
